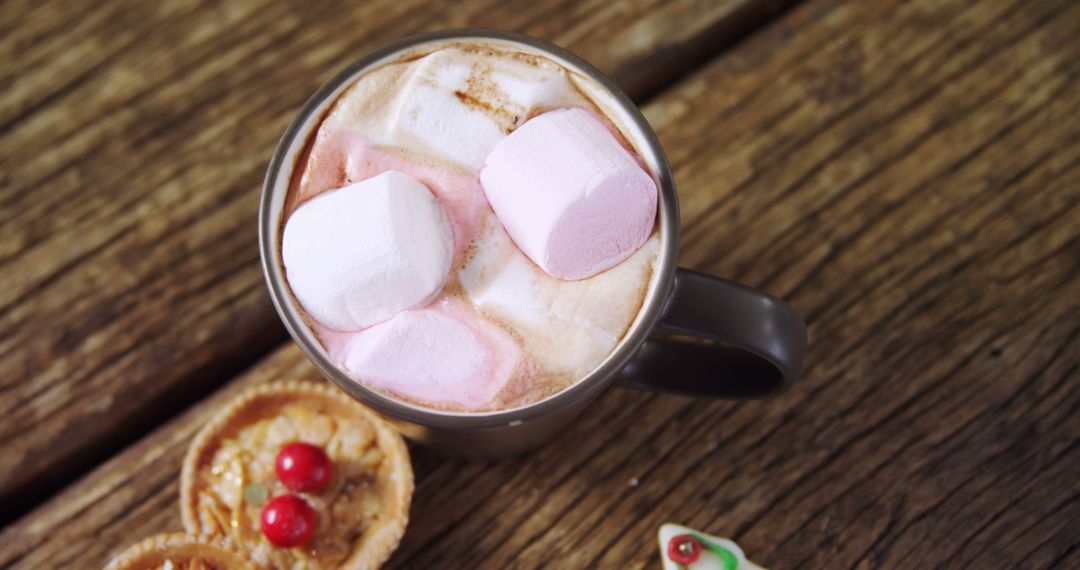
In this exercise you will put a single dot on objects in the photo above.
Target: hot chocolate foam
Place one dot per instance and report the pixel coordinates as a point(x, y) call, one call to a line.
point(504, 332)
point(567, 327)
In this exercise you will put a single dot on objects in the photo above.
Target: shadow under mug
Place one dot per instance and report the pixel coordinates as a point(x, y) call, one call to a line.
point(695, 334)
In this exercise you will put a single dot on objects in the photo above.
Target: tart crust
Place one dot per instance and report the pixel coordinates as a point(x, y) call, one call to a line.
point(362, 513)
point(179, 552)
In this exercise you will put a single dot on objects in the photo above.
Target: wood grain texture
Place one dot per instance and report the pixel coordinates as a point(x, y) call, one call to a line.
point(907, 174)
point(134, 137)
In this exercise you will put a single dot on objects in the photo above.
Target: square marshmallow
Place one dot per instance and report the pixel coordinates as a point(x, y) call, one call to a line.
point(458, 105)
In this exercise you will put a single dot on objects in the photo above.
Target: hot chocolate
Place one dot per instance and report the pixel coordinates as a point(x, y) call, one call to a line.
point(467, 229)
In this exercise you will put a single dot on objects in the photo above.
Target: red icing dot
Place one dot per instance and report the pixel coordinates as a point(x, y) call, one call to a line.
point(684, 549)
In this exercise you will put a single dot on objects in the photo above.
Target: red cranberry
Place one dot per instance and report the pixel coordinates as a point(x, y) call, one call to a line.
point(683, 549)
point(288, 521)
point(304, 467)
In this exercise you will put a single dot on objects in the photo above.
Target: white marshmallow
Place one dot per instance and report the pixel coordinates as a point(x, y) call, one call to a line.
point(357, 255)
point(459, 105)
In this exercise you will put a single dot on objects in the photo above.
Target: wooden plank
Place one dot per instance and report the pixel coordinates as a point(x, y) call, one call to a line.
point(908, 174)
point(134, 136)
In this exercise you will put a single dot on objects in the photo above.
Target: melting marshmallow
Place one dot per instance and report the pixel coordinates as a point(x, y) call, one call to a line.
point(567, 327)
point(441, 354)
point(458, 105)
point(568, 193)
point(357, 255)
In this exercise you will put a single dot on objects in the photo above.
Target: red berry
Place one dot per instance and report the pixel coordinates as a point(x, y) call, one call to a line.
point(288, 521)
point(683, 549)
point(304, 467)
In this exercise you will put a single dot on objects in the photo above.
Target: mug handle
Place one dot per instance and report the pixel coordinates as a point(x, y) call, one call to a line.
point(721, 339)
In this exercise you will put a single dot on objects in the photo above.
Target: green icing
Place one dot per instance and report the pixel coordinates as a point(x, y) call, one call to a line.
point(731, 562)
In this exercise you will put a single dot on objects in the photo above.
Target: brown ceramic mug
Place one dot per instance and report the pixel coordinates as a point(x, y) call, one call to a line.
point(695, 334)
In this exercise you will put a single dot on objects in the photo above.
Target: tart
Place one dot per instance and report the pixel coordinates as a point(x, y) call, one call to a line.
point(179, 552)
point(229, 475)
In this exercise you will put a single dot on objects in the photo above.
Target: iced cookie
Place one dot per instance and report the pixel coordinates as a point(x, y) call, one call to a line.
point(179, 552)
point(683, 548)
point(297, 475)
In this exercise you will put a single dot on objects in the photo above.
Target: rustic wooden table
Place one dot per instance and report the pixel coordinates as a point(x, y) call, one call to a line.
point(905, 173)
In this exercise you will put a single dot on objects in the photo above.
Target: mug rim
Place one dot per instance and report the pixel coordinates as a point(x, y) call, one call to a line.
point(655, 299)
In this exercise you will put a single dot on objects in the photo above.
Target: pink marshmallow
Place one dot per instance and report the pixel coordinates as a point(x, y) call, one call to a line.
point(569, 194)
point(444, 354)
